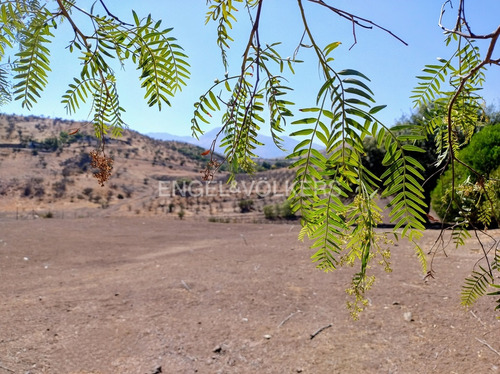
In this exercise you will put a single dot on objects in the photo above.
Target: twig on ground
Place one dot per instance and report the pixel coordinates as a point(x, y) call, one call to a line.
point(287, 318)
point(489, 346)
point(479, 319)
point(7, 369)
point(313, 335)
point(436, 355)
point(185, 285)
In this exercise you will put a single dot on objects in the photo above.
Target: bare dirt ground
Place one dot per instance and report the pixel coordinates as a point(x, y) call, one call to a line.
point(144, 295)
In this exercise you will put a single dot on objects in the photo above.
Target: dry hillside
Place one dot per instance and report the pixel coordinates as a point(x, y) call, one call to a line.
point(45, 171)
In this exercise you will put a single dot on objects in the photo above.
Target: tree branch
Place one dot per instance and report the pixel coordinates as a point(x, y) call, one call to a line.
point(313, 335)
point(463, 81)
point(77, 31)
point(489, 346)
point(357, 21)
point(461, 19)
point(112, 15)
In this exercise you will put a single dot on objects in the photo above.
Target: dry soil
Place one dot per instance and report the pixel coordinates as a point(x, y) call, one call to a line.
point(145, 295)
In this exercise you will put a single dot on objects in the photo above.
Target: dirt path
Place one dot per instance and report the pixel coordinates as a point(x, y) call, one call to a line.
point(133, 295)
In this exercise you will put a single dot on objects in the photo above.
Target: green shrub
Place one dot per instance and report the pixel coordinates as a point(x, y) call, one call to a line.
point(246, 205)
point(478, 208)
point(219, 219)
point(483, 152)
point(440, 196)
point(279, 211)
point(270, 212)
point(285, 210)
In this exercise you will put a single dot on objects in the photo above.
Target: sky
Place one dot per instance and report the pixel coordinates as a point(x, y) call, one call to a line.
point(390, 65)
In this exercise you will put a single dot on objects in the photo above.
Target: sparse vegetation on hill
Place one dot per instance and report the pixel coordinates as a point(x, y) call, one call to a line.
point(46, 164)
point(279, 210)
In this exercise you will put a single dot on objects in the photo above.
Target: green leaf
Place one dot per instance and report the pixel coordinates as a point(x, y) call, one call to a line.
point(353, 72)
point(412, 148)
point(330, 47)
point(304, 121)
point(303, 132)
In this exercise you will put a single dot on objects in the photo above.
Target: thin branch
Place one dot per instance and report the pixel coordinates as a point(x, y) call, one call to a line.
point(489, 346)
point(287, 318)
point(354, 35)
point(112, 15)
point(296, 52)
point(254, 34)
point(461, 19)
point(479, 319)
point(313, 335)
point(77, 31)
point(485, 253)
point(487, 60)
point(255, 29)
point(356, 20)
point(462, 13)
point(7, 369)
point(439, 171)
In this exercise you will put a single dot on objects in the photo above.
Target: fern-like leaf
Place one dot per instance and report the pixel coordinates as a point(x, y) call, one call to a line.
point(107, 109)
point(460, 234)
point(5, 95)
point(222, 11)
point(476, 286)
point(163, 64)
point(429, 85)
point(33, 62)
point(403, 181)
point(496, 293)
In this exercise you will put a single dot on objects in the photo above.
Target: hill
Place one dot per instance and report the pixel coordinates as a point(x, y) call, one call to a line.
point(46, 171)
point(268, 151)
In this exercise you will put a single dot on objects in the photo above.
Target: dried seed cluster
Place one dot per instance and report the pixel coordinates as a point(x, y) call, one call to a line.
point(209, 171)
point(103, 163)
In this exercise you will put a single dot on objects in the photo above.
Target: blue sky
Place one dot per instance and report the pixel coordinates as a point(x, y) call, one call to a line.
point(389, 64)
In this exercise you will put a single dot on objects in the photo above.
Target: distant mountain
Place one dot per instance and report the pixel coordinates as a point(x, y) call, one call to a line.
point(268, 150)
